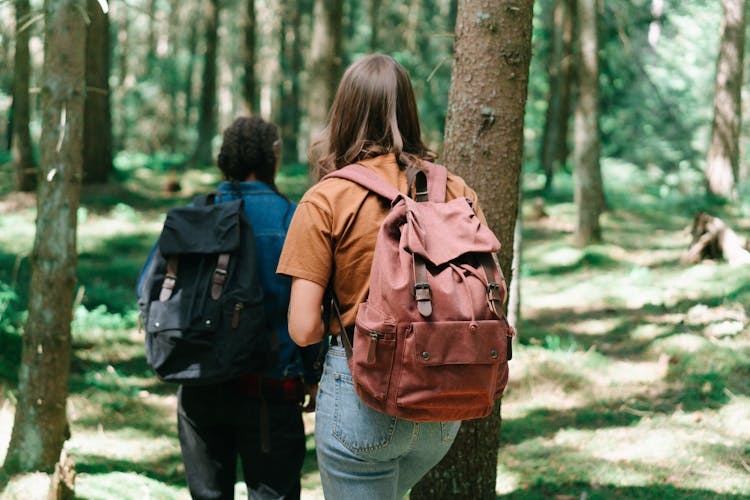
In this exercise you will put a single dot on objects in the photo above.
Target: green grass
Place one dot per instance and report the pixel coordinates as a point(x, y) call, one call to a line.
point(630, 378)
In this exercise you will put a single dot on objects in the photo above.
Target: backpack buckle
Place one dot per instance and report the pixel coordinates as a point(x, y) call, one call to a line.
point(424, 297)
point(493, 296)
point(219, 276)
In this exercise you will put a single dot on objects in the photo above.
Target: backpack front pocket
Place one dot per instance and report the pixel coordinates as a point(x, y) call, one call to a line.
point(374, 350)
point(451, 367)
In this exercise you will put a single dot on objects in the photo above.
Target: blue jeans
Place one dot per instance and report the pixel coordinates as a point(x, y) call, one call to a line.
point(364, 454)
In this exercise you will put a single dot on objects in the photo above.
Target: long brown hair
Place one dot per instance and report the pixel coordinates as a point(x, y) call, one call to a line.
point(374, 113)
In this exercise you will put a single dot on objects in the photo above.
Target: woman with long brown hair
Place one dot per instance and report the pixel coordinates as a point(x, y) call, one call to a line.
point(362, 453)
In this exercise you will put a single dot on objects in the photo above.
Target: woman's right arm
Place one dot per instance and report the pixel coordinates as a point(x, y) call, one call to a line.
point(305, 321)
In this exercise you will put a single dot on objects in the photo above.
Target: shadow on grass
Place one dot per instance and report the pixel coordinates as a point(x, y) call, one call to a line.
point(543, 490)
point(110, 270)
point(545, 423)
point(692, 395)
point(618, 341)
point(168, 469)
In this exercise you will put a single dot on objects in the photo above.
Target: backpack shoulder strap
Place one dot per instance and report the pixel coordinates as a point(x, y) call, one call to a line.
point(437, 180)
point(367, 179)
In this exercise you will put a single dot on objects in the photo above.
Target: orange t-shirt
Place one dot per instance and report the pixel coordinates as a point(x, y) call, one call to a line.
point(333, 232)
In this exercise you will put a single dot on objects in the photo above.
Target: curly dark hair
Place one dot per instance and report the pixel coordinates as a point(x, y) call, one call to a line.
point(251, 145)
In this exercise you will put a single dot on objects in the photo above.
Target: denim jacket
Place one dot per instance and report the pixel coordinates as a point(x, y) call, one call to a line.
point(270, 215)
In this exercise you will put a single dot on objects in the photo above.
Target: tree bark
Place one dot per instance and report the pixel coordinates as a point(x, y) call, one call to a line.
point(152, 37)
point(207, 116)
point(325, 62)
point(41, 425)
point(97, 122)
point(249, 87)
point(291, 68)
point(189, 72)
point(23, 156)
point(588, 194)
point(484, 144)
point(555, 136)
point(123, 69)
point(374, 24)
point(722, 162)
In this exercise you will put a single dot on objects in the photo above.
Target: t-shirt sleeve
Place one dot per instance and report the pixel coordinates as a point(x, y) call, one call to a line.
point(307, 251)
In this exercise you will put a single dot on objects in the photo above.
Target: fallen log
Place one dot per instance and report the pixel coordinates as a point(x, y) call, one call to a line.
point(713, 239)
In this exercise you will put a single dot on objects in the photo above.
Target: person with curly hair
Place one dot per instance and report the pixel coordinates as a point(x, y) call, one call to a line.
point(258, 418)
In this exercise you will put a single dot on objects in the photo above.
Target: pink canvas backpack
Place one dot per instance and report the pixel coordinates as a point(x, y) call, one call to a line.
point(431, 343)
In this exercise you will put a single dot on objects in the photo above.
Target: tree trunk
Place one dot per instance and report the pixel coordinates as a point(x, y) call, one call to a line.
point(189, 72)
point(555, 137)
point(291, 68)
point(249, 88)
point(722, 163)
point(514, 290)
point(207, 115)
point(269, 17)
point(41, 426)
point(374, 24)
point(23, 156)
point(97, 122)
point(589, 197)
point(121, 15)
point(325, 62)
point(152, 37)
point(484, 144)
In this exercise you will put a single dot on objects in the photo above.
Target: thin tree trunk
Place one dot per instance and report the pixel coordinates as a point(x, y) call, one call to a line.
point(587, 174)
point(271, 78)
point(23, 156)
point(152, 37)
point(192, 47)
point(207, 116)
point(41, 425)
point(555, 137)
point(291, 68)
point(374, 24)
point(413, 24)
point(123, 69)
point(722, 163)
point(325, 62)
point(514, 291)
point(249, 88)
point(97, 135)
point(484, 144)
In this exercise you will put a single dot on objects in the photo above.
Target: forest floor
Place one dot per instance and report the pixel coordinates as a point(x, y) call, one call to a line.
point(630, 379)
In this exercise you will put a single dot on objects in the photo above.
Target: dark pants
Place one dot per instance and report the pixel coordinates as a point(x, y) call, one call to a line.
point(218, 423)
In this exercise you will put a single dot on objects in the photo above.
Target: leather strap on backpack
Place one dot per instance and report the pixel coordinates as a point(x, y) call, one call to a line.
point(344, 337)
point(219, 276)
point(170, 279)
point(492, 271)
point(422, 293)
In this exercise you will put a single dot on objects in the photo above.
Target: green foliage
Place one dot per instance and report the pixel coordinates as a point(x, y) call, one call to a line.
point(12, 318)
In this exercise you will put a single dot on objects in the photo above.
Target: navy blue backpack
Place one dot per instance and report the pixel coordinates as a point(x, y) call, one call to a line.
point(201, 300)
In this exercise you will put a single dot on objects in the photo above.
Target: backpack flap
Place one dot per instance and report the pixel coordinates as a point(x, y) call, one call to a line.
point(186, 229)
point(426, 233)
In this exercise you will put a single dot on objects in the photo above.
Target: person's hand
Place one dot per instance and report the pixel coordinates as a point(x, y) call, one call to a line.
point(311, 392)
